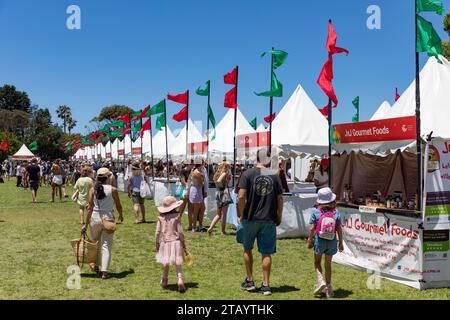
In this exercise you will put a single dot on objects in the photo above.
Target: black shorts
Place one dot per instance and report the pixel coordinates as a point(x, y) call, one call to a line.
point(34, 185)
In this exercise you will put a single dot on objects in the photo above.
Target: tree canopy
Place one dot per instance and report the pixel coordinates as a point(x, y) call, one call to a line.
point(446, 44)
point(11, 99)
point(111, 113)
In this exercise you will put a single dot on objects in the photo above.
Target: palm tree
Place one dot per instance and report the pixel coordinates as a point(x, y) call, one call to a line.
point(64, 113)
point(71, 123)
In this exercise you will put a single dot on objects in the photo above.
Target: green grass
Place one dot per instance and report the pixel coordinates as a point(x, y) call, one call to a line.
point(35, 253)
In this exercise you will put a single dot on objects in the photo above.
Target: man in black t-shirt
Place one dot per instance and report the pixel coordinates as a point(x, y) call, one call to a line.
point(34, 175)
point(260, 209)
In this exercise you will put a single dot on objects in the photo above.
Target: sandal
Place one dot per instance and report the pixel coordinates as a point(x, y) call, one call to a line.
point(181, 286)
point(105, 275)
point(94, 268)
point(163, 283)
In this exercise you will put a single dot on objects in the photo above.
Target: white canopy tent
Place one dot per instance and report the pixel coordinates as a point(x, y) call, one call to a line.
point(159, 142)
point(261, 128)
point(23, 154)
point(178, 146)
point(382, 111)
point(300, 128)
point(223, 143)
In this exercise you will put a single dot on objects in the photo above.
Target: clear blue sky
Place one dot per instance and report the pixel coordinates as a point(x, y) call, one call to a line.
point(135, 52)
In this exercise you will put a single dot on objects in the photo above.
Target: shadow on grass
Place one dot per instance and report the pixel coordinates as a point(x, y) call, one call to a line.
point(284, 289)
point(1, 221)
point(119, 275)
point(339, 294)
point(189, 285)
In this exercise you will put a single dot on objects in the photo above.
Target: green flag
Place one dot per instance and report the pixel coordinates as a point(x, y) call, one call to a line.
point(279, 57)
point(275, 91)
point(356, 105)
point(117, 123)
point(105, 129)
point(34, 146)
point(427, 38)
point(253, 123)
point(115, 134)
point(430, 6)
point(137, 127)
point(212, 119)
point(156, 109)
point(204, 91)
point(160, 122)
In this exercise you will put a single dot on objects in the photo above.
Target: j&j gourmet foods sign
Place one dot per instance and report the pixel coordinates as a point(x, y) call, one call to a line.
point(374, 131)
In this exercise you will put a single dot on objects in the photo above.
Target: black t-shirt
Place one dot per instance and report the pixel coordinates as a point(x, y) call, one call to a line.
point(33, 172)
point(262, 192)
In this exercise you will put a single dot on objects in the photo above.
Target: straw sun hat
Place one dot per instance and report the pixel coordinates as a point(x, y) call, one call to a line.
point(169, 204)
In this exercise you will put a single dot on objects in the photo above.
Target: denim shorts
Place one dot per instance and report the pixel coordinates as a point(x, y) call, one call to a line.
point(265, 233)
point(326, 247)
point(136, 197)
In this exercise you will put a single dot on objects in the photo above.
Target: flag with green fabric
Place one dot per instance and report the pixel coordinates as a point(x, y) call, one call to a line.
point(160, 122)
point(204, 91)
point(356, 105)
point(430, 6)
point(33, 146)
point(253, 123)
point(212, 119)
point(428, 39)
point(157, 108)
point(276, 87)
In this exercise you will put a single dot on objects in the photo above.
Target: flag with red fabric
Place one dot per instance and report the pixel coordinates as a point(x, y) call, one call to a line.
point(4, 145)
point(182, 98)
point(182, 115)
point(397, 96)
point(270, 118)
point(231, 77)
point(125, 118)
point(145, 127)
point(142, 114)
point(230, 99)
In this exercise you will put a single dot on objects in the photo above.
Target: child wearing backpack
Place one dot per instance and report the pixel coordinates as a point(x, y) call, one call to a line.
point(325, 222)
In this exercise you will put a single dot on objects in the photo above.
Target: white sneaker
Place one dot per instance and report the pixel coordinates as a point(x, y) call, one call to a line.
point(320, 286)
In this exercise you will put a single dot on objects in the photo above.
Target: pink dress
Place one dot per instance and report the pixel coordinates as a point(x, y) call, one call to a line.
point(170, 249)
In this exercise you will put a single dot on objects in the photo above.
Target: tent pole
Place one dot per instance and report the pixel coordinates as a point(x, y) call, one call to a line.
point(235, 120)
point(330, 121)
point(271, 106)
point(418, 126)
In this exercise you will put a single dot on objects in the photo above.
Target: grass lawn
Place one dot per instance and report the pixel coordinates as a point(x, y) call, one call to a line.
point(36, 252)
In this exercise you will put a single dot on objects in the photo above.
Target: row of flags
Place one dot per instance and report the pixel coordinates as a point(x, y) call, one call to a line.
point(427, 41)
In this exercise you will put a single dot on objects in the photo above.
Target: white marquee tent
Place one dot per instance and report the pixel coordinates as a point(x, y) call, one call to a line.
point(299, 127)
point(159, 142)
point(382, 111)
point(178, 146)
point(23, 154)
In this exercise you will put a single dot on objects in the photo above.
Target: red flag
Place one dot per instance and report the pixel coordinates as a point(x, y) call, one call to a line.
point(324, 111)
point(231, 78)
point(331, 41)
point(269, 119)
point(145, 127)
point(230, 99)
point(142, 114)
point(94, 136)
point(4, 145)
point(125, 118)
point(182, 115)
point(397, 96)
point(126, 130)
point(325, 80)
point(179, 98)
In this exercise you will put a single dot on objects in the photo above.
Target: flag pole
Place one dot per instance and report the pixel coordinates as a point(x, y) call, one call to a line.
point(271, 105)
point(187, 129)
point(207, 127)
point(167, 147)
point(142, 151)
point(418, 123)
point(235, 120)
point(330, 141)
point(151, 147)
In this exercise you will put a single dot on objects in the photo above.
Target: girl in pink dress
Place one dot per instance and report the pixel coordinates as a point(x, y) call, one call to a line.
point(171, 247)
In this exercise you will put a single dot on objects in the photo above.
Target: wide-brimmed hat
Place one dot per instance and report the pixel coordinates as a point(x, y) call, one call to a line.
point(135, 166)
point(325, 196)
point(103, 172)
point(169, 203)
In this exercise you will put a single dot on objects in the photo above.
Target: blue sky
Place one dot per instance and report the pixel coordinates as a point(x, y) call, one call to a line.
point(135, 52)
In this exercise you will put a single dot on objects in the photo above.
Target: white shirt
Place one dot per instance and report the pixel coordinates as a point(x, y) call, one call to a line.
point(323, 179)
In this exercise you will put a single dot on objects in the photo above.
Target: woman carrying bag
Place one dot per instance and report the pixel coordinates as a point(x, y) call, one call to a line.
point(223, 197)
point(101, 220)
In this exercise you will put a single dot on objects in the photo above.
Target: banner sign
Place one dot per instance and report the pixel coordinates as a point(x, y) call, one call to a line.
point(4, 146)
point(436, 255)
point(197, 147)
point(381, 243)
point(121, 152)
point(437, 206)
point(375, 131)
point(137, 151)
point(253, 140)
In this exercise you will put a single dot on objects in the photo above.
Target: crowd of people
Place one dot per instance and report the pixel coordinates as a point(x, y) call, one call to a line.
point(259, 191)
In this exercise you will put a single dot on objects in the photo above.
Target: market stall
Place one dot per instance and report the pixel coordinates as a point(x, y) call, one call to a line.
point(388, 227)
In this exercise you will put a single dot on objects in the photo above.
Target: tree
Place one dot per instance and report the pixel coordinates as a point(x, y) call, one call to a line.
point(111, 113)
point(15, 121)
point(11, 99)
point(71, 123)
point(64, 113)
point(446, 44)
